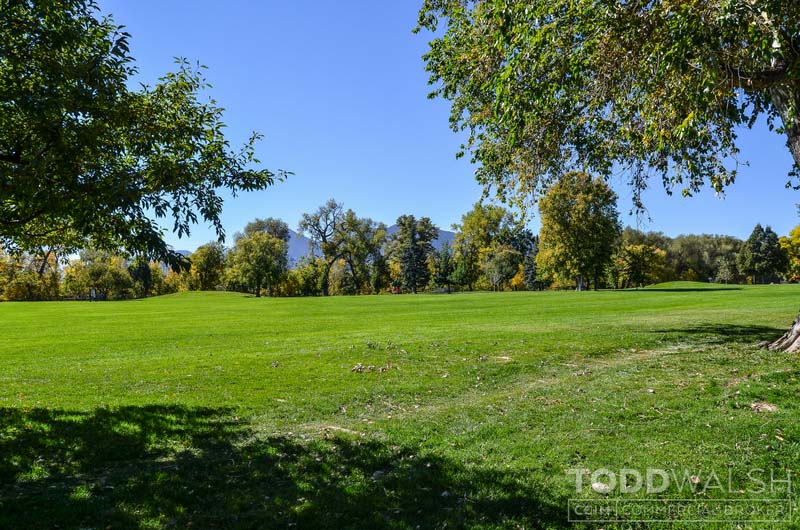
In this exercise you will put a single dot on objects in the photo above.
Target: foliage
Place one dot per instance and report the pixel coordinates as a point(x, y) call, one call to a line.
point(308, 274)
point(274, 227)
point(208, 266)
point(322, 227)
point(141, 275)
point(379, 274)
point(698, 255)
point(98, 275)
point(762, 257)
point(726, 270)
point(360, 241)
point(478, 230)
point(26, 276)
point(530, 273)
point(580, 225)
point(635, 265)
point(500, 264)
point(84, 159)
point(791, 248)
point(464, 275)
point(258, 261)
point(654, 88)
point(518, 281)
point(443, 267)
point(412, 249)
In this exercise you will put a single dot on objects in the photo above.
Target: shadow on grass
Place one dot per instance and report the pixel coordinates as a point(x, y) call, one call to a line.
point(717, 334)
point(175, 467)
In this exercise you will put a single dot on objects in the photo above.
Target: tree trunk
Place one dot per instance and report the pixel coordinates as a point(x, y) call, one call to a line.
point(325, 279)
point(786, 99)
point(789, 341)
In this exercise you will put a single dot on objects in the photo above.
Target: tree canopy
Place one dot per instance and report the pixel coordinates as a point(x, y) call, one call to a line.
point(655, 88)
point(580, 225)
point(412, 249)
point(85, 158)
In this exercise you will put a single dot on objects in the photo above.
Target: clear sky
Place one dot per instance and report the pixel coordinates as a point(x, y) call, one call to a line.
point(338, 89)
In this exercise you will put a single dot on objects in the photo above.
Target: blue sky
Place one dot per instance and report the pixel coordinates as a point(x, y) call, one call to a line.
point(339, 91)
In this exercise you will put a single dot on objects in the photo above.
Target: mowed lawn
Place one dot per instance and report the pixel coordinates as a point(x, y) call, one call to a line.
point(219, 410)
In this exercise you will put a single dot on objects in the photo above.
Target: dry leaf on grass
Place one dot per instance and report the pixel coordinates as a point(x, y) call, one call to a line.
point(763, 406)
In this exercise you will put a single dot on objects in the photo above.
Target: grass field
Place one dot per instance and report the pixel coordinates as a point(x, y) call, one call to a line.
point(218, 410)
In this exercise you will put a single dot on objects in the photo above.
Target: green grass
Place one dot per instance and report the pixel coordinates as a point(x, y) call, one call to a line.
point(218, 410)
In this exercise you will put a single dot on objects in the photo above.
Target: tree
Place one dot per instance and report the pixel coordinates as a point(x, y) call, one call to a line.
point(30, 277)
point(321, 227)
point(309, 273)
point(360, 241)
point(98, 275)
point(655, 88)
point(84, 158)
point(762, 257)
point(791, 247)
point(500, 265)
point(208, 266)
point(443, 267)
point(342, 235)
point(142, 276)
point(478, 230)
point(580, 225)
point(259, 261)
point(274, 227)
point(637, 265)
point(379, 277)
point(463, 274)
point(726, 270)
point(777, 260)
point(529, 273)
point(695, 257)
point(413, 247)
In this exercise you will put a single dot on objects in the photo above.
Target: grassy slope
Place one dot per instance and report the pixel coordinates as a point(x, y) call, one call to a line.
point(170, 411)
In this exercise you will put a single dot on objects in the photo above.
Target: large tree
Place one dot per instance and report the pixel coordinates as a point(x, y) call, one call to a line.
point(443, 266)
point(580, 225)
point(323, 228)
point(259, 261)
point(83, 156)
point(274, 227)
point(762, 257)
point(656, 88)
point(361, 240)
point(208, 266)
point(413, 246)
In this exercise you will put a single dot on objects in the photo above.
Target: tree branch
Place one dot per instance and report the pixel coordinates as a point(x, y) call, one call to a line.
point(759, 80)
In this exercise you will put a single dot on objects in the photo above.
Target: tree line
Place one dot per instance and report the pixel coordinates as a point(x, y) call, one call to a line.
point(580, 245)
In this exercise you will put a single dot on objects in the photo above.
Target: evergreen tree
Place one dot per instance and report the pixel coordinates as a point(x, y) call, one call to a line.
point(443, 267)
point(529, 273)
point(413, 246)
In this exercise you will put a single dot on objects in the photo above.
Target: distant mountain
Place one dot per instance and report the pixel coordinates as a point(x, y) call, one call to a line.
point(299, 244)
point(444, 236)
